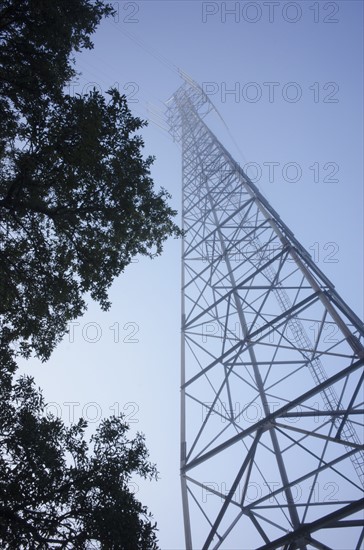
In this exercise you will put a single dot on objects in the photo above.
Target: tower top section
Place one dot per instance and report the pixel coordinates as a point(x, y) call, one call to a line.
point(188, 98)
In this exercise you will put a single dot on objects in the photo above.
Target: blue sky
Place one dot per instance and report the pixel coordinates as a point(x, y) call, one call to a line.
point(290, 94)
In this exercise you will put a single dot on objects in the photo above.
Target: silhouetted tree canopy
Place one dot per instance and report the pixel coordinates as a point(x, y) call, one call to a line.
point(77, 201)
point(57, 491)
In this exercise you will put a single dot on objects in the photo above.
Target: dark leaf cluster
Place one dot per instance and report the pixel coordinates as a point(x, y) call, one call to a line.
point(57, 491)
point(77, 201)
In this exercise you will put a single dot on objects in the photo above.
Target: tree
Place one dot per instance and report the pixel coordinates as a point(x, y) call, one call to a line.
point(77, 201)
point(55, 492)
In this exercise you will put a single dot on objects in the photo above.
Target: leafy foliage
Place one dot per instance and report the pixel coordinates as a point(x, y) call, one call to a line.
point(55, 492)
point(76, 198)
point(77, 202)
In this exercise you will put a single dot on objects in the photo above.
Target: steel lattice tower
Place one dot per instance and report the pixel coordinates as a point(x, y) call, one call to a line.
point(272, 451)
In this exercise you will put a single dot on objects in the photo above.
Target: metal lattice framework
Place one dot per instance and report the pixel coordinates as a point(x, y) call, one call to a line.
point(272, 451)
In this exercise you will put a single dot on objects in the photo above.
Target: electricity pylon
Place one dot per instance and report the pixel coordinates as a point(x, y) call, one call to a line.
point(272, 451)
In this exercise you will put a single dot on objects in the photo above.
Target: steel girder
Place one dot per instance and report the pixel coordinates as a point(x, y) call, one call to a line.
point(272, 451)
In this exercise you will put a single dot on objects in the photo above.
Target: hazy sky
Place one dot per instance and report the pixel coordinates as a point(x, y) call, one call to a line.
point(287, 77)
